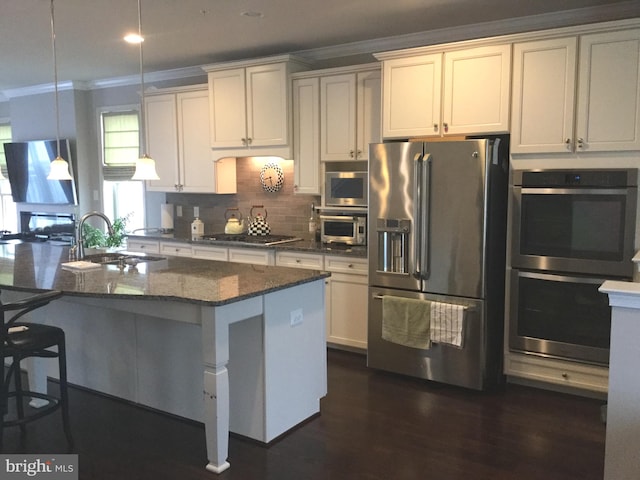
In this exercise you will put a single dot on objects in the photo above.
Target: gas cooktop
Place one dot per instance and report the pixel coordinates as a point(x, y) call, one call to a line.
point(251, 239)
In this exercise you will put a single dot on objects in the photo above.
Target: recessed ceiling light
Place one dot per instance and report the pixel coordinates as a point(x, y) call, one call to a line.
point(252, 14)
point(133, 38)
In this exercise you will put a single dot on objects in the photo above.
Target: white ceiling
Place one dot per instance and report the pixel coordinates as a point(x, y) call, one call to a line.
point(184, 33)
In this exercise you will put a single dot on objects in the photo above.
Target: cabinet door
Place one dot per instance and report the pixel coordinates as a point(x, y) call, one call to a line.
point(369, 111)
point(338, 117)
point(544, 77)
point(306, 136)
point(228, 108)
point(267, 88)
point(162, 141)
point(346, 310)
point(197, 168)
point(411, 96)
point(477, 90)
point(608, 110)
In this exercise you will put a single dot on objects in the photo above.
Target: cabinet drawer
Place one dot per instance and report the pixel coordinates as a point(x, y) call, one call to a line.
point(254, 256)
point(299, 260)
point(144, 246)
point(177, 249)
point(346, 265)
point(211, 253)
point(558, 372)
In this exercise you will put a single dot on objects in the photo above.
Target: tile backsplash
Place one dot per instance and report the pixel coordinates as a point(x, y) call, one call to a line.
point(287, 214)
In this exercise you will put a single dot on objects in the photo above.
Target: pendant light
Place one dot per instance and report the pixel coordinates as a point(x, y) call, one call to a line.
point(145, 165)
point(59, 166)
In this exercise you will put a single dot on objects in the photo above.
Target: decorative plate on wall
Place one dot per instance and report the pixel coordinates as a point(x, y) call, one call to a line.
point(271, 177)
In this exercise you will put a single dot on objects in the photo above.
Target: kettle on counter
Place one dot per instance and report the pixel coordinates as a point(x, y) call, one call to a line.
point(258, 225)
point(235, 224)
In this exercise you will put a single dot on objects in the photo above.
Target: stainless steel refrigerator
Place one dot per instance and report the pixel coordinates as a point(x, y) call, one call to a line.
point(437, 233)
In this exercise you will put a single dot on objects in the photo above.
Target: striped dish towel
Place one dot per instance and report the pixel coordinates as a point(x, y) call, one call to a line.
point(447, 322)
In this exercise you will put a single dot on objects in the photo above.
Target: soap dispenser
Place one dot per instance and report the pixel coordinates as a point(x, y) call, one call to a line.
point(197, 226)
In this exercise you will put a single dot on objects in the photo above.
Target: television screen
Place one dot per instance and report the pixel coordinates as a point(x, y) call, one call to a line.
point(28, 165)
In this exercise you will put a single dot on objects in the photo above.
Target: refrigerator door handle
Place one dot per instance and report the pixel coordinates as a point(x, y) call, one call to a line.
point(421, 215)
point(417, 217)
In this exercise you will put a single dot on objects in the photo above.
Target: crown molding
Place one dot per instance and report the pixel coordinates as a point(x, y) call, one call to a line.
point(566, 18)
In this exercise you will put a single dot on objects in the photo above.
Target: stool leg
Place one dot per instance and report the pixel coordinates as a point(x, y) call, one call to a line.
point(17, 380)
point(64, 396)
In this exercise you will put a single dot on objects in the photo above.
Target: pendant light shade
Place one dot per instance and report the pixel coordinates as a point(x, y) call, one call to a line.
point(145, 165)
point(59, 166)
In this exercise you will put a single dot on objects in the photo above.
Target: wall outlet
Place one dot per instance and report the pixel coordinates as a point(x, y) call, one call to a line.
point(196, 211)
point(296, 317)
point(179, 210)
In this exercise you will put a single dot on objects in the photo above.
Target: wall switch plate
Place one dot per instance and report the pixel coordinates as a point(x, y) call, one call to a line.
point(196, 211)
point(179, 210)
point(296, 317)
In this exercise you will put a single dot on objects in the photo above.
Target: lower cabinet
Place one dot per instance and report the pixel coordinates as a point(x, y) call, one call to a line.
point(346, 301)
point(176, 249)
point(210, 253)
point(522, 368)
point(254, 256)
point(143, 246)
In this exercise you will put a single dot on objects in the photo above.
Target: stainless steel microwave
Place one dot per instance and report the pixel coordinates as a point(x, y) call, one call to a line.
point(347, 229)
point(346, 189)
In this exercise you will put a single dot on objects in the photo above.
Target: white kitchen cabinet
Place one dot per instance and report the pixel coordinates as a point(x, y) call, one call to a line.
point(306, 136)
point(350, 115)
point(599, 110)
point(346, 301)
point(177, 249)
point(210, 252)
point(143, 246)
point(608, 116)
point(254, 256)
point(249, 106)
point(452, 93)
point(411, 96)
point(177, 124)
point(309, 261)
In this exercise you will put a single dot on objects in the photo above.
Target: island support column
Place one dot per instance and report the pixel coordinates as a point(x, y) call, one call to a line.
point(621, 461)
point(215, 351)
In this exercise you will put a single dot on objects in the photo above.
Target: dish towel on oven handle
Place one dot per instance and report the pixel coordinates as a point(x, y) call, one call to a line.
point(447, 323)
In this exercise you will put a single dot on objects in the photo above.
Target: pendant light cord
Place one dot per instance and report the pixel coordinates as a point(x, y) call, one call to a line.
point(143, 134)
point(55, 79)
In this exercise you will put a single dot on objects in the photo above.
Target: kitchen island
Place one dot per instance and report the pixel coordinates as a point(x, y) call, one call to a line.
point(238, 347)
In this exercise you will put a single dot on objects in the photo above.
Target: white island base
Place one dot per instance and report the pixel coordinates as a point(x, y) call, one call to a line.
point(256, 367)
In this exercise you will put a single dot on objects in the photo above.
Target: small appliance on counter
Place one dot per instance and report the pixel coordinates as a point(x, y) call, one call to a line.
point(235, 222)
point(197, 226)
point(343, 228)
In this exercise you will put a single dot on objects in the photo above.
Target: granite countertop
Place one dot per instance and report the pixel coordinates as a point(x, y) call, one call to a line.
point(303, 246)
point(38, 266)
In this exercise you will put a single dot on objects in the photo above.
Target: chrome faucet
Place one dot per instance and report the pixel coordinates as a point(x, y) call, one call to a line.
point(80, 235)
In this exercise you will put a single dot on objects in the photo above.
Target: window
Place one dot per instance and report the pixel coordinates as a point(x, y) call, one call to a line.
point(8, 211)
point(122, 197)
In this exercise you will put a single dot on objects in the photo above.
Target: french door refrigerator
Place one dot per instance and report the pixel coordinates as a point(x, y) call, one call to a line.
point(437, 233)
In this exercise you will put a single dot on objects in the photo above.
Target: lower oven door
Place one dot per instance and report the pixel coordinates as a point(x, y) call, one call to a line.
point(559, 316)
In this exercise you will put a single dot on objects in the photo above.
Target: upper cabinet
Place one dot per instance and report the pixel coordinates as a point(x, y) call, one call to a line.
point(249, 106)
point(452, 93)
point(306, 135)
point(177, 125)
point(577, 94)
point(349, 115)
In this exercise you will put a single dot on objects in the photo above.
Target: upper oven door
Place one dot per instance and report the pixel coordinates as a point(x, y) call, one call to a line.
point(579, 230)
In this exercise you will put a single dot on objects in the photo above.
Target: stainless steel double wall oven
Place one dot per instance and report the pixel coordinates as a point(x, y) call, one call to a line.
point(572, 229)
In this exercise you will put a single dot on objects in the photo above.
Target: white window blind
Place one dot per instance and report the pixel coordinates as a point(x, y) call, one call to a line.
point(120, 144)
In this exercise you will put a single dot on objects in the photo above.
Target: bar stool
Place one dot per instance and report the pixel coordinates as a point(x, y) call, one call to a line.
point(19, 341)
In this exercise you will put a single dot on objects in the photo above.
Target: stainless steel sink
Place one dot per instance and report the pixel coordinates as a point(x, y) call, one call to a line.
point(117, 258)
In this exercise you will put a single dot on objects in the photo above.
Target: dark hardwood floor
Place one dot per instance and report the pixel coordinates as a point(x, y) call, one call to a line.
point(373, 425)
